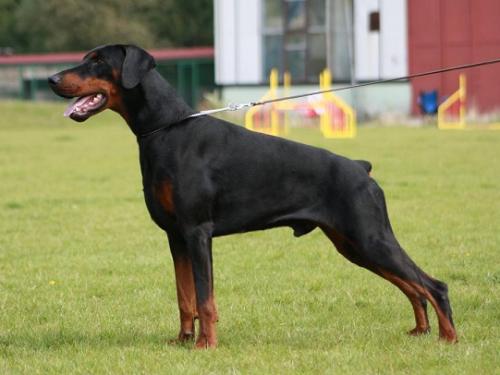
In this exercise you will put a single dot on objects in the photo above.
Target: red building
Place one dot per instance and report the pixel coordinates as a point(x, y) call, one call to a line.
point(444, 33)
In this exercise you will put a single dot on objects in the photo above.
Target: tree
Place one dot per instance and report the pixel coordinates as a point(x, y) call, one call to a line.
point(182, 22)
point(55, 25)
point(70, 25)
point(7, 35)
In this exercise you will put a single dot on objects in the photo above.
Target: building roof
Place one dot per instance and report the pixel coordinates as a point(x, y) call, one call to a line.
point(74, 57)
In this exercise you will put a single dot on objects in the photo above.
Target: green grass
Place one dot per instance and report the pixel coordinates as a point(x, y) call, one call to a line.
point(86, 279)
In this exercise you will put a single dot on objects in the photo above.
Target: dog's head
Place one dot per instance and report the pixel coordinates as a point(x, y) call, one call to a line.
point(99, 81)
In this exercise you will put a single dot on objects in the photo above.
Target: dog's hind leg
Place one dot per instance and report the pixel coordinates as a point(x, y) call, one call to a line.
point(392, 263)
point(400, 270)
point(418, 302)
point(367, 240)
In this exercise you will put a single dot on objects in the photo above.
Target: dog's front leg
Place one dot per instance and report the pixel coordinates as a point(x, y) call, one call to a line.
point(199, 241)
point(186, 296)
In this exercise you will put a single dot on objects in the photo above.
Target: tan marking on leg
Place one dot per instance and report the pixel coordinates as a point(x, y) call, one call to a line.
point(186, 298)
point(421, 319)
point(338, 240)
point(446, 330)
point(207, 338)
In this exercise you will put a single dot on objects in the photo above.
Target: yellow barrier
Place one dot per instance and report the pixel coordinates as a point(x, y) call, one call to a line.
point(457, 98)
point(337, 118)
point(271, 118)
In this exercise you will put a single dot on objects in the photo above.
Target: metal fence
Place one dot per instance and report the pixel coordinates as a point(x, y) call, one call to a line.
point(191, 78)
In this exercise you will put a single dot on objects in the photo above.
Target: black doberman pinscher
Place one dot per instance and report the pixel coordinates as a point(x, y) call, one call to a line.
point(204, 177)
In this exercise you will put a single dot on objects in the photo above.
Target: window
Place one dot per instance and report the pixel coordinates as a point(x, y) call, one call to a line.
point(273, 15)
point(295, 38)
point(374, 21)
point(273, 36)
point(295, 15)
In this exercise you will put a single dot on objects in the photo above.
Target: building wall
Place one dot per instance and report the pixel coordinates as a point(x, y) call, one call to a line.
point(380, 54)
point(239, 60)
point(454, 32)
point(394, 25)
point(238, 41)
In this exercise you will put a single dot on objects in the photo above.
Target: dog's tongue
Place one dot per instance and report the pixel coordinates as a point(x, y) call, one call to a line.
point(77, 103)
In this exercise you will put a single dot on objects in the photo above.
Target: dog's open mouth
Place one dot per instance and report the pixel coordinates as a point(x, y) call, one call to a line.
point(84, 107)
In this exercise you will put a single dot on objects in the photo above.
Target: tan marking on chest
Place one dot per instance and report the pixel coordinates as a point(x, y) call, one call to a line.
point(165, 195)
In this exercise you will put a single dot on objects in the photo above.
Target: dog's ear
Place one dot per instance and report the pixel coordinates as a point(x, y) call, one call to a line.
point(136, 64)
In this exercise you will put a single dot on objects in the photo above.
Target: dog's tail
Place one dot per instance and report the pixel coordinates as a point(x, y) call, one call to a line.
point(367, 166)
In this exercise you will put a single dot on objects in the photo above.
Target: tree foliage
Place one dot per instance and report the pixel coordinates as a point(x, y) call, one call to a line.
point(7, 33)
point(69, 25)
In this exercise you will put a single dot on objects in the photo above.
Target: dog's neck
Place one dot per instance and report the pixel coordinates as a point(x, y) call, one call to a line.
point(156, 107)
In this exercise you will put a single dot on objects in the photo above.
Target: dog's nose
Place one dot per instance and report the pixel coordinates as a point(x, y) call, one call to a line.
point(55, 79)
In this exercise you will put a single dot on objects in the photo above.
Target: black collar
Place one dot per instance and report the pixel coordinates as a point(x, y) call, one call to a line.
point(165, 127)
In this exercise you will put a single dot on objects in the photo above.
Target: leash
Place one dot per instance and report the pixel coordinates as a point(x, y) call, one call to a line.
point(236, 107)
point(231, 107)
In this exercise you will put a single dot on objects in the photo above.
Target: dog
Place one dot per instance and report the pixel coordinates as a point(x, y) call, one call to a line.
point(204, 177)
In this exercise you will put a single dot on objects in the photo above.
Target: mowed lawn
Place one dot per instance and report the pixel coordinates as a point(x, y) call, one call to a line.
point(87, 285)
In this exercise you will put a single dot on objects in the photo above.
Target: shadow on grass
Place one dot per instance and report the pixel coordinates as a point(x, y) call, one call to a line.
point(58, 339)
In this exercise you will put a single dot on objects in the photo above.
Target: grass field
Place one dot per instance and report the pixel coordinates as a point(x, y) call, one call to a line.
point(86, 279)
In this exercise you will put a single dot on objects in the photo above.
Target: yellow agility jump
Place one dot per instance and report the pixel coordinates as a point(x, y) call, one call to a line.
point(270, 119)
point(336, 118)
point(451, 113)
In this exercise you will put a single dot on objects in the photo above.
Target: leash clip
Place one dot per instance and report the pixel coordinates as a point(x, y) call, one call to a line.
point(237, 107)
point(230, 108)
